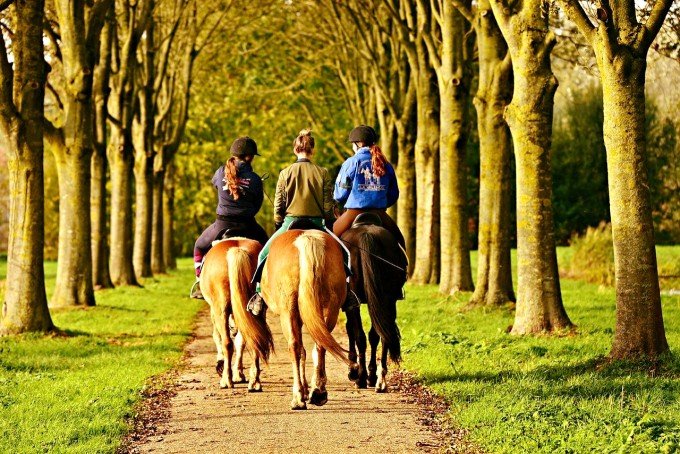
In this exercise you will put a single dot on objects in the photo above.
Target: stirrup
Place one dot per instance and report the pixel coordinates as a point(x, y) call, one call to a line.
point(195, 291)
point(256, 304)
point(351, 302)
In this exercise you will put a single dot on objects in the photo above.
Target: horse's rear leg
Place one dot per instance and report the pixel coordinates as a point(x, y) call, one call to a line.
point(373, 338)
point(319, 380)
point(239, 347)
point(219, 366)
point(293, 331)
point(228, 348)
point(254, 385)
point(357, 341)
point(381, 385)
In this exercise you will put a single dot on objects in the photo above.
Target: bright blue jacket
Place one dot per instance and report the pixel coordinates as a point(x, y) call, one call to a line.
point(358, 187)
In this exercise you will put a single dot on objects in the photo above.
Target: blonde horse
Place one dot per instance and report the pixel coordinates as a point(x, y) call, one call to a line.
point(225, 284)
point(304, 283)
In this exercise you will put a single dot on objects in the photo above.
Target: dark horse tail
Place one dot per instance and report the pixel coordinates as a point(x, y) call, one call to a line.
point(381, 282)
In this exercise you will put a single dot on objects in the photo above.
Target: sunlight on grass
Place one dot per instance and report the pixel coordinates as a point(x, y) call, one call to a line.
point(74, 392)
point(543, 393)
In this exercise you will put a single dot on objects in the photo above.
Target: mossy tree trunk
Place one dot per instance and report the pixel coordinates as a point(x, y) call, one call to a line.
point(621, 45)
point(73, 144)
point(101, 278)
point(452, 61)
point(143, 138)
point(21, 120)
point(131, 23)
point(529, 116)
point(494, 92)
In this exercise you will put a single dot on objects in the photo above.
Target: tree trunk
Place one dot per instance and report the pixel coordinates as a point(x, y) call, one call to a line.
point(426, 267)
point(639, 321)
point(168, 216)
point(157, 246)
point(98, 196)
point(530, 115)
point(21, 119)
point(121, 162)
point(74, 269)
point(143, 215)
point(454, 77)
point(494, 272)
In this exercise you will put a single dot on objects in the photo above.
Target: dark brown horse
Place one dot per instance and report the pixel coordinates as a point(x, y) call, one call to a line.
point(379, 267)
point(225, 284)
point(304, 283)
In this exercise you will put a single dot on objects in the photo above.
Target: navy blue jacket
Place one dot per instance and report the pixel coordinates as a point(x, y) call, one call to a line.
point(250, 199)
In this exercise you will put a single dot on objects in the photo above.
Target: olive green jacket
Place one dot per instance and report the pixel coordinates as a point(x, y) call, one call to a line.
point(303, 190)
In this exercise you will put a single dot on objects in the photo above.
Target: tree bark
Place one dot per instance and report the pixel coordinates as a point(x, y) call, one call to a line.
point(169, 256)
point(494, 272)
point(529, 116)
point(621, 45)
point(101, 278)
point(454, 76)
point(426, 267)
point(21, 119)
point(158, 262)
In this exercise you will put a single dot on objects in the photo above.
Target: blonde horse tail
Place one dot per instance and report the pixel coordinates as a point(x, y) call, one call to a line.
point(254, 330)
point(310, 297)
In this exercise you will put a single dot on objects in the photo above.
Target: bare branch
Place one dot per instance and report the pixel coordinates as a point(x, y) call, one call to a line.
point(5, 4)
point(649, 31)
point(464, 11)
point(575, 12)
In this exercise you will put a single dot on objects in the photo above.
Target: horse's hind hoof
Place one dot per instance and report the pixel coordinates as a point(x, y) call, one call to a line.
point(298, 406)
point(319, 398)
point(220, 367)
point(361, 384)
point(353, 374)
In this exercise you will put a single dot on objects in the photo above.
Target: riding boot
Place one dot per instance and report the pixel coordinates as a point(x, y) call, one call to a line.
point(256, 304)
point(351, 301)
point(196, 290)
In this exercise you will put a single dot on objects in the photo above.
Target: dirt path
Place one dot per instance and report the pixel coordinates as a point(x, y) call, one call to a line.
point(202, 418)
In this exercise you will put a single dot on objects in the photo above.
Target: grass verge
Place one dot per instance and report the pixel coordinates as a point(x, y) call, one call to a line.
point(75, 392)
point(543, 393)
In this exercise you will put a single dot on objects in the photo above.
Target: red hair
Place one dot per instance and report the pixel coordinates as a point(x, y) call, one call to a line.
point(378, 160)
point(231, 177)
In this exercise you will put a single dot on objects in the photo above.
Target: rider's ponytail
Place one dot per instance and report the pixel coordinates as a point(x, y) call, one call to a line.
point(378, 160)
point(231, 178)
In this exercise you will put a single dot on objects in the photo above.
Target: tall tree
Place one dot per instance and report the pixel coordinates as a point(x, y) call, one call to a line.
point(413, 22)
point(524, 25)
point(452, 61)
point(73, 142)
point(130, 25)
point(22, 96)
point(494, 92)
point(101, 278)
point(621, 44)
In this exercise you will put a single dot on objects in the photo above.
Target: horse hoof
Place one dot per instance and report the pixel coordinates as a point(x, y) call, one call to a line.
point(319, 398)
point(380, 389)
point(220, 367)
point(298, 406)
point(372, 381)
point(361, 384)
point(239, 378)
point(353, 374)
point(256, 388)
point(226, 385)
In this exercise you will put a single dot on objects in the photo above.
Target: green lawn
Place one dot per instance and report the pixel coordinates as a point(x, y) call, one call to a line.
point(544, 394)
point(74, 392)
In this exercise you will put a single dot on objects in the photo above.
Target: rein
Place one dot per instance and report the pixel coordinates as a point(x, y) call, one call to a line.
point(376, 256)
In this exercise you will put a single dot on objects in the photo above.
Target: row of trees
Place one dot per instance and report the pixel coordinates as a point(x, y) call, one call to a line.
point(107, 84)
point(411, 67)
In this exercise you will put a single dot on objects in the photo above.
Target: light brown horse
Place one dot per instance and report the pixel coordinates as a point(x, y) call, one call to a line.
point(304, 283)
point(225, 284)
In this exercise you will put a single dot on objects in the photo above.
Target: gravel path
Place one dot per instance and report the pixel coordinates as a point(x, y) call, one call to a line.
point(200, 417)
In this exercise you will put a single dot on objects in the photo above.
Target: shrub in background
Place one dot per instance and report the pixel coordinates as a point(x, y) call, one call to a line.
point(593, 256)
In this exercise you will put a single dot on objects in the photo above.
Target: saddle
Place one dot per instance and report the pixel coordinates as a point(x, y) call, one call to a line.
point(367, 219)
point(230, 233)
point(303, 224)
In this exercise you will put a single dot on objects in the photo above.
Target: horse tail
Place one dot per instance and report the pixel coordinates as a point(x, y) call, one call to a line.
point(311, 293)
point(255, 330)
point(382, 307)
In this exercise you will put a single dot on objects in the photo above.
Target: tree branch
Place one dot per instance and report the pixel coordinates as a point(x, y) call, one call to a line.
point(464, 11)
point(648, 32)
point(5, 4)
point(575, 12)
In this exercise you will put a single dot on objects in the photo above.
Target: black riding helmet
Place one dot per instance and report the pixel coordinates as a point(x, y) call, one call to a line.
point(363, 133)
point(244, 146)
